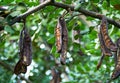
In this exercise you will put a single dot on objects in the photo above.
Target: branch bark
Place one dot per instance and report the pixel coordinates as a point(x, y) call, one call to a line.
point(10, 68)
point(64, 6)
point(85, 12)
point(30, 11)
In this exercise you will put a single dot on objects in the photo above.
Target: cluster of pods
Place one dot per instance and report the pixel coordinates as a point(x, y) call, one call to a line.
point(61, 36)
point(108, 47)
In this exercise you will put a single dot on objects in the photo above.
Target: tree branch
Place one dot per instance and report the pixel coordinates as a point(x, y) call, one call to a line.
point(85, 12)
point(64, 6)
point(10, 68)
point(30, 11)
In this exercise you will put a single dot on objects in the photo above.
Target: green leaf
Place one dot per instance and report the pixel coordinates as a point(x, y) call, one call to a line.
point(113, 2)
point(15, 13)
point(51, 40)
point(76, 47)
point(14, 37)
point(53, 50)
point(9, 29)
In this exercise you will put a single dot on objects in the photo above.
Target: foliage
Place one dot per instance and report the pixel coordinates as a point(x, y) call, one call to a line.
point(80, 67)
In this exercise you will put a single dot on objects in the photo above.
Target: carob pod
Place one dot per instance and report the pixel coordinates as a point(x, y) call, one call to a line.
point(20, 67)
point(104, 31)
point(64, 41)
point(26, 54)
point(104, 50)
point(61, 35)
point(116, 72)
point(58, 36)
point(106, 43)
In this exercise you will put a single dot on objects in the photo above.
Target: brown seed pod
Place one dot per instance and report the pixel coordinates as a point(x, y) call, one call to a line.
point(61, 35)
point(58, 36)
point(104, 31)
point(104, 50)
point(20, 68)
point(116, 72)
point(26, 52)
point(64, 41)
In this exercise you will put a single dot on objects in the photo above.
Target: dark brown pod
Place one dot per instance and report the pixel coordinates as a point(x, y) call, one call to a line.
point(58, 36)
point(104, 31)
point(20, 68)
point(116, 72)
point(104, 49)
point(26, 54)
point(64, 41)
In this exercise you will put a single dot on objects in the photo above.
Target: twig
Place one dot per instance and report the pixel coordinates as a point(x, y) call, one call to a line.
point(85, 12)
point(64, 6)
point(30, 11)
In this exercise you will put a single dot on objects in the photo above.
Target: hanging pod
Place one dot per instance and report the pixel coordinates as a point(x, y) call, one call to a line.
point(58, 35)
point(61, 35)
point(64, 42)
point(106, 44)
point(104, 33)
point(25, 54)
point(105, 51)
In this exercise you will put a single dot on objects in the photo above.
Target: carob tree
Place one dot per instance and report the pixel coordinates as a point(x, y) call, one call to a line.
point(61, 35)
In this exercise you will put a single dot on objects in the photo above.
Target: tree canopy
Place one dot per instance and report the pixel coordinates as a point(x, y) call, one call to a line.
point(83, 18)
